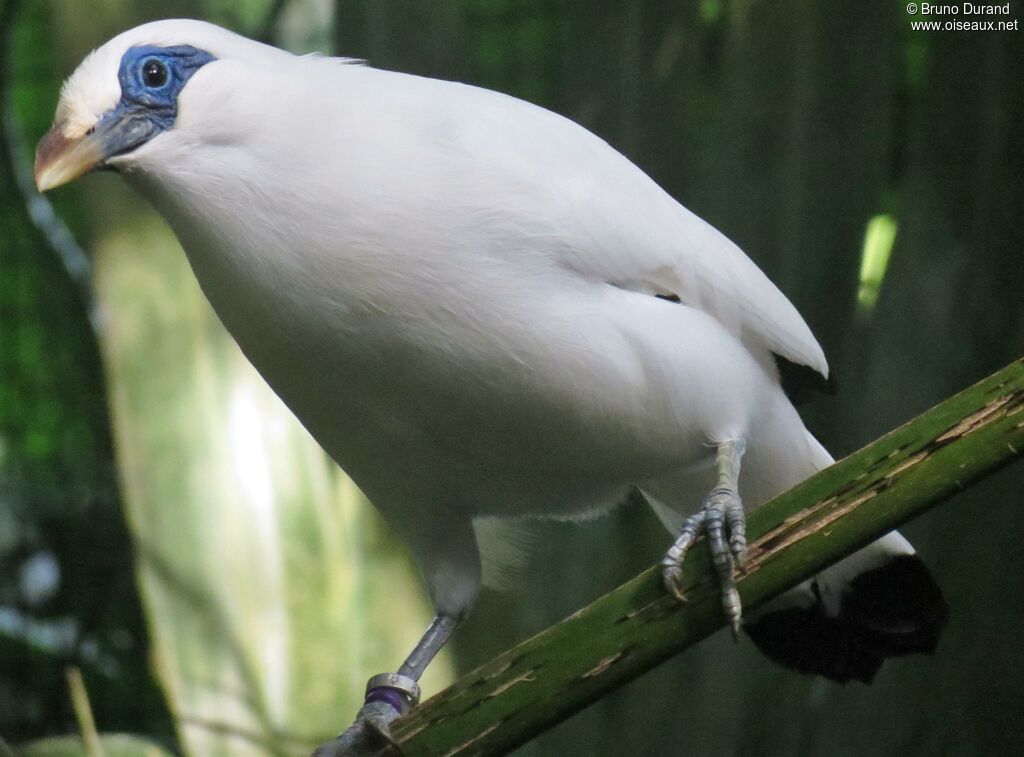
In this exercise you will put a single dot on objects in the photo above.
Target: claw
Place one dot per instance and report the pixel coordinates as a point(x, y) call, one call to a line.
point(672, 562)
point(370, 734)
point(671, 576)
point(722, 520)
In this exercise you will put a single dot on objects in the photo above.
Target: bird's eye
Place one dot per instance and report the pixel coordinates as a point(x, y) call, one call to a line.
point(154, 73)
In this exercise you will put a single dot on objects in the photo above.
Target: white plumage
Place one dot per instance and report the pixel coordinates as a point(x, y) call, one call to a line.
point(454, 290)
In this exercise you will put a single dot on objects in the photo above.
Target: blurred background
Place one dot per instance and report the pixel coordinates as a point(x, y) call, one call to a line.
point(169, 532)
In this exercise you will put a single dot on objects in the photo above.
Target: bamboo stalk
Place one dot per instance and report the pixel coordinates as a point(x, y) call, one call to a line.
point(83, 712)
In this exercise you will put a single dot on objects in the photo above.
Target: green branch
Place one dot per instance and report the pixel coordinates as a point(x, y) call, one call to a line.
point(561, 670)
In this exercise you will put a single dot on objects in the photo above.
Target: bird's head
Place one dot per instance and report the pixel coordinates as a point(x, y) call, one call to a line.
point(128, 93)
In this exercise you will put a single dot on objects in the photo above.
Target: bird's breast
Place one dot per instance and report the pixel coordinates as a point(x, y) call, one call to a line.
point(420, 355)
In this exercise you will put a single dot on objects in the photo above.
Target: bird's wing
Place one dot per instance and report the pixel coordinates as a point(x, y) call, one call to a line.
point(521, 171)
point(638, 237)
point(619, 226)
point(681, 257)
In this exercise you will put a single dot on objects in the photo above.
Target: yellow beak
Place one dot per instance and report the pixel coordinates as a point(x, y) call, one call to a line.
point(60, 159)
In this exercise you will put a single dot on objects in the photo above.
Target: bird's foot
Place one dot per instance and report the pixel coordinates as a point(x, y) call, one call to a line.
point(723, 521)
point(388, 695)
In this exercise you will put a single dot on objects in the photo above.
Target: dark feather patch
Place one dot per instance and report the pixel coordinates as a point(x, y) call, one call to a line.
point(898, 606)
point(894, 610)
point(801, 383)
point(804, 639)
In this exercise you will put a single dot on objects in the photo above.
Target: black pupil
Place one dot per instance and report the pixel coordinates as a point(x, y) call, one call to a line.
point(154, 73)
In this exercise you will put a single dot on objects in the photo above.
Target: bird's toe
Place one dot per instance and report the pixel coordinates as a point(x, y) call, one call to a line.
point(722, 521)
point(671, 577)
point(369, 735)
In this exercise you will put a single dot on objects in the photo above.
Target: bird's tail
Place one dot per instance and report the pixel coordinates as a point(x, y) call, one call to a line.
point(845, 622)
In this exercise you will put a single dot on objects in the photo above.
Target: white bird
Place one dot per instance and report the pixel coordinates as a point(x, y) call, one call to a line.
point(480, 309)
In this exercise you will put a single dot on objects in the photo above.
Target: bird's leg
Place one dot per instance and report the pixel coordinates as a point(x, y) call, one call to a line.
point(389, 695)
point(722, 519)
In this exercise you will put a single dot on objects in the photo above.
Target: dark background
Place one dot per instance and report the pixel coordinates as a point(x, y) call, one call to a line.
point(788, 125)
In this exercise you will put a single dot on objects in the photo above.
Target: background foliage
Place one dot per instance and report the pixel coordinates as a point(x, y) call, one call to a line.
point(133, 530)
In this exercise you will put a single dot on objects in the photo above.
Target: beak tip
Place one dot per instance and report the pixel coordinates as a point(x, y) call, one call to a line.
point(45, 178)
point(60, 159)
point(40, 177)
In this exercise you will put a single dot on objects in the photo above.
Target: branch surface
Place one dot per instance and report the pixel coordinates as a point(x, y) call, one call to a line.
point(545, 679)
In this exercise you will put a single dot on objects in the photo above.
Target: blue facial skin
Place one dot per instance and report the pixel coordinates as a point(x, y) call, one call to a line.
point(151, 79)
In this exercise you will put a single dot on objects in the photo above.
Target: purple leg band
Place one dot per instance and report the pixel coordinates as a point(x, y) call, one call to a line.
point(390, 696)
